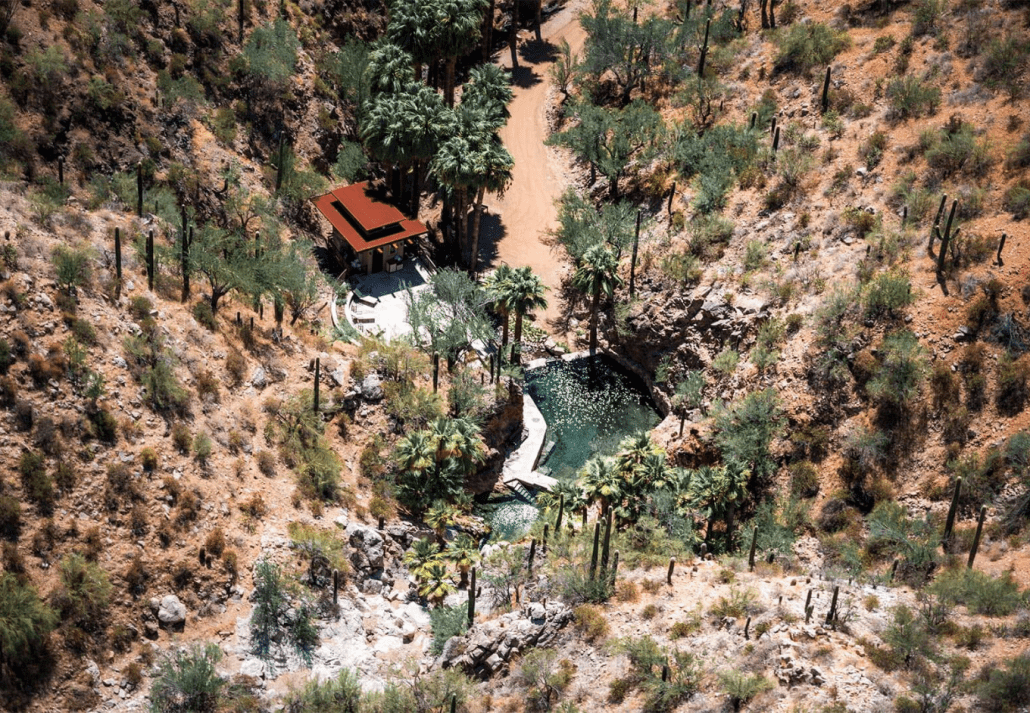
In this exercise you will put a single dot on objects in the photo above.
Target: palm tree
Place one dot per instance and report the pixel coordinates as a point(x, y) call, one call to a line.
point(389, 67)
point(524, 293)
point(495, 176)
point(464, 553)
point(716, 493)
point(422, 554)
point(439, 517)
point(489, 89)
point(416, 451)
point(457, 31)
point(496, 283)
point(437, 585)
point(597, 273)
point(601, 481)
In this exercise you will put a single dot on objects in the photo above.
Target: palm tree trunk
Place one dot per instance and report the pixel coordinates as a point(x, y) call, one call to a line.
point(488, 31)
point(613, 188)
point(415, 192)
point(463, 222)
point(539, 14)
point(513, 34)
point(518, 332)
point(477, 215)
point(593, 318)
point(448, 87)
point(504, 330)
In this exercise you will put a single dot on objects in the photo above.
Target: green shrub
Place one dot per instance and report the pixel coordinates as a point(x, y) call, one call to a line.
point(1013, 381)
point(980, 592)
point(907, 636)
point(928, 14)
point(804, 479)
point(202, 447)
point(187, 681)
point(10, 519)
point(886, 294)
point(746, 428)
point(741, 687)
point(335, 695)
point(39, 487)
point(1003, 62)
point(204, 316)
point(73, 266)
point(590, 622)
point(270, 627)
point(872, 149)
point(737, 604)
point(1017, 200)
point(1006, 689)
point(956, 149)
point(909, 98)
point(140, 307)
point(447, 622)
point(900, 372)
point(726, 361)
point(84, 593)
point(809, 45)
point(25, 620)
point(683, 267)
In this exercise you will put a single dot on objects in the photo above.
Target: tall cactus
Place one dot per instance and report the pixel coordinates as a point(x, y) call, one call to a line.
point(532, 555)
point(936, 223)
point(607, 542)
point(472, 597)
point(826, 92)
point(950, 523)
point(704, 53)
point(976, 537)
point(151, 268)
point(831, 615)
point(1001, 246)
point(946, 238)
point(118, 260)
point(751, 554)
point(593, 556)
point(672, 568)
point(318, 374)
point(139, 189)
point(561, 512)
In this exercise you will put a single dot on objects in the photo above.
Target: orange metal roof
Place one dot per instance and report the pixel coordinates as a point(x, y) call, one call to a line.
point(364, 218)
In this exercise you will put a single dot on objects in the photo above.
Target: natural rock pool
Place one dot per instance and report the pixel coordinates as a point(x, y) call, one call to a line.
point(590, 405)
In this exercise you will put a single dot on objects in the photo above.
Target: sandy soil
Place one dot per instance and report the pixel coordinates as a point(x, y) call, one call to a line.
point(516, 226)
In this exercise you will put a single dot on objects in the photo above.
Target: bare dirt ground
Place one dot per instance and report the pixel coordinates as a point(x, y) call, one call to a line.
point(517, 225)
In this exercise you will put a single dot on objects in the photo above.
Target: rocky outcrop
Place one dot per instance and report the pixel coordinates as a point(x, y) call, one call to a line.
point(487, 647)
point(171, 612)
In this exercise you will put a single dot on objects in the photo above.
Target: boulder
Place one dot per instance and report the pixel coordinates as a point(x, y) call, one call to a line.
point(368, 548)
point(259, 379)
point(372, 388)
point(171, 612)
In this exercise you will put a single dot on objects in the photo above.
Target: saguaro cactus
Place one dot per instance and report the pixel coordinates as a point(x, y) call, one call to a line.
point(240, 19)
point(436, 371)
point(561, 512)
point(704, 53)
point(593, 556)
point(672, 568)
point(976, 537)
point(543, 543)
point(945, 238)
point(336, 586)
point(318, 370)
point(607, 542)
point(751, 554)
point(615, 567)
point(139, 189)
point(826, 91)
point(950, 523)
point(776, 141)
point(532, 554)
point(472, 596)
point(633, 260)
point(118, 260)
point(936, 223)
point(187, 241)
point(1001, 246)
point(831, 615)
point(151, 268)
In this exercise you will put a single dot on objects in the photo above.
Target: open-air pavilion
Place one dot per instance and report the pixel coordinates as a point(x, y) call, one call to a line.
point(369, 233)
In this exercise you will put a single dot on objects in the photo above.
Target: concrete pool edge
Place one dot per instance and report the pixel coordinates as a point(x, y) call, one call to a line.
point(520, 465)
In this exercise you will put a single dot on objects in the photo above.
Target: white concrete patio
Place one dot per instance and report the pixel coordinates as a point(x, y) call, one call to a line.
point(377, 304)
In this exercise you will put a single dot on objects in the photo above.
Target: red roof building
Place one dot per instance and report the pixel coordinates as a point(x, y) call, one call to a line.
point(371, 232)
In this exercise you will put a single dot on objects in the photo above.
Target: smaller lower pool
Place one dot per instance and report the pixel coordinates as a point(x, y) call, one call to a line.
point(590, 405)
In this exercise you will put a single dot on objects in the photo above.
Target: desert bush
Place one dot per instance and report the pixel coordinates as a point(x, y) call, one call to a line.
point(682, 267)
point(741, 687)
point(910, 98)
point(236, 366)
point(900, 373)
point(1017, 200)
point(202, 448)
point(9, 397)
point(46, 438)
point(204, 316)
point(149, 459)
point(38, 486)
point(1006, 689)
point(835, 515)
point(214, 543)
point(25, 619)
point(103, 426)
point(886, 294)
point(907, 636)
point(804, 479)
point(447, 622)
point(24, 415)
point(254, 507)
point(736, 604)
point(927, 18)
point(872, 149)
point(1003, 62)
point(188, 681)
point(182, 439)
point(121, 486)
point(809, 45)
point(84, 593)
point(189, 508)
point(10, 518)
point(140, 307)
point(590, 622)
point(955, 148)
point(1013, 380)
point(980, 592)
point(73, 266)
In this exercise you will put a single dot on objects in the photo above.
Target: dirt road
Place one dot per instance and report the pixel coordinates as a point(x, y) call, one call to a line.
point(517, 224)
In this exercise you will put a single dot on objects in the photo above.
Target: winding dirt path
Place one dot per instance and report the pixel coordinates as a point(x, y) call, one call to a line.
point(516, 225)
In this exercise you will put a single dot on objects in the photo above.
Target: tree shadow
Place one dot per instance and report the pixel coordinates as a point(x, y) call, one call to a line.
point(491, 232)
point(533, 52)
point(524, 77)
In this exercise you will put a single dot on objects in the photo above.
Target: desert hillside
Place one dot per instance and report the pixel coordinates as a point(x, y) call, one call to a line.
point(248, 466)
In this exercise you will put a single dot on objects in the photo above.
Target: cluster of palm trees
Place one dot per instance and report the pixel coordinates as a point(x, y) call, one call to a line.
point(515, 291)
point(428, 562)
point(624, 485)
point(433, 463)
point(416, 132)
